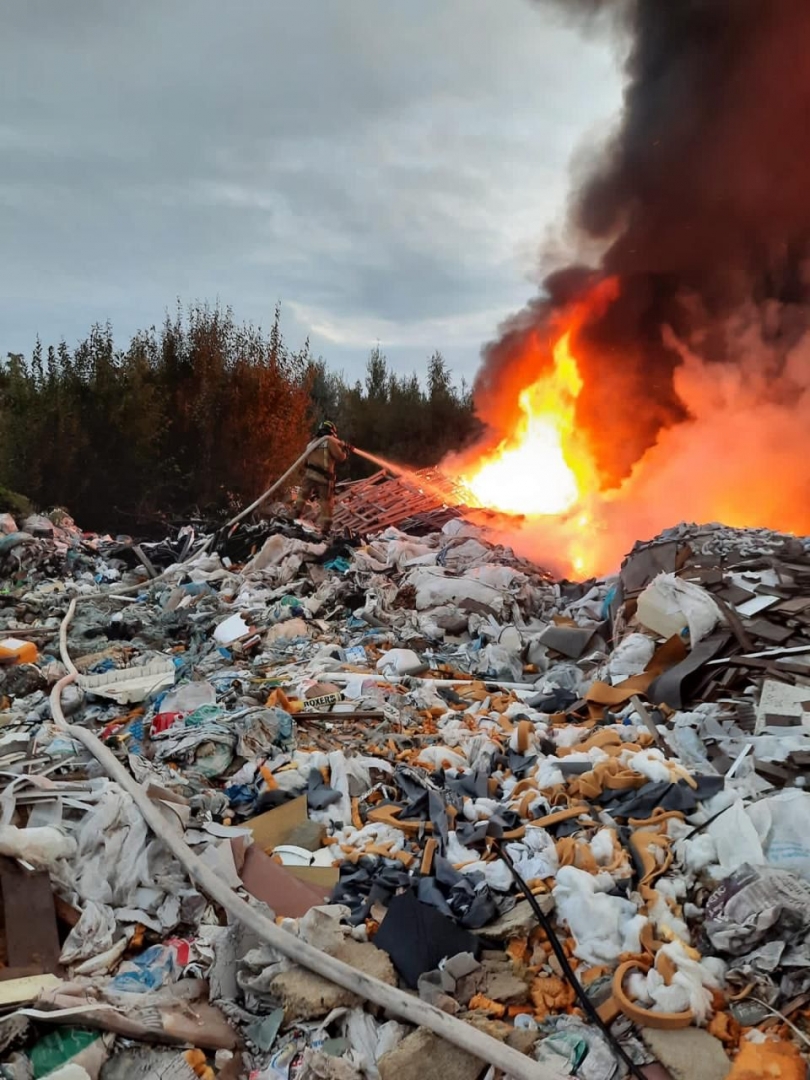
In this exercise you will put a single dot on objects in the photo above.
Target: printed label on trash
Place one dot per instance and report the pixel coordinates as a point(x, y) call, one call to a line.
point(315, 703)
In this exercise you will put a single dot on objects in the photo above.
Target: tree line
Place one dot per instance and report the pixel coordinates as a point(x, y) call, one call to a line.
point(197, 417)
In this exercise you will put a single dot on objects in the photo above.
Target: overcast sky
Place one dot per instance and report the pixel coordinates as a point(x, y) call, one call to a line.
point(387, 169)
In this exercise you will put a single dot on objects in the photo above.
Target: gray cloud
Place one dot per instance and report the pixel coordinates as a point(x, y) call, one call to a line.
point(386, 170)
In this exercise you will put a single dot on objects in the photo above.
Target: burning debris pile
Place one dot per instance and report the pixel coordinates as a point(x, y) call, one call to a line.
point(663, 373)
point(568, 820)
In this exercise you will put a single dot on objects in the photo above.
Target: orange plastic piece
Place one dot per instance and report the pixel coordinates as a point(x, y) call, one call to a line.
point(561, 815)
point(522, 786)
point(519, 1010)
point(640, 842)
point(657, 818)
point(268, 778)
point(136, 941)
point(768, 1061)
point(196, 1059)
point(356, 819)
point(428, 855)
point(279, 700)
point(15, 651)
point(609, 1010)
point(635, 1012)
point(571, 852)
point(525, 730)
point(389, 815)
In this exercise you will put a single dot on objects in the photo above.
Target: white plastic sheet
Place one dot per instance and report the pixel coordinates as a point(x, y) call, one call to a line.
point(668, 604)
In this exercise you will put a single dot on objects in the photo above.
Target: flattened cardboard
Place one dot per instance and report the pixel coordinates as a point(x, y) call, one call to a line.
point(278, 887)
point(275, 826)
point(320, 877)
point(32, 938)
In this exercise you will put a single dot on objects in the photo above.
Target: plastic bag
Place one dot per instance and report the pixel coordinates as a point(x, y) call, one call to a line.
point(41, 847)
point(735, 838)
point(433, 589)
point(188, 697)
point(231, 629)
point(668, 604)
point(631, 656)
point(498, 662)
point(92, 935)
point(154, 968)
point(369, 1040)
point(400, 662)
point(782, 824)
point(752, 902)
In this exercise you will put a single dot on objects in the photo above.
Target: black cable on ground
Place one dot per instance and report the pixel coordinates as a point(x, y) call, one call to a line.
point(587, 1005)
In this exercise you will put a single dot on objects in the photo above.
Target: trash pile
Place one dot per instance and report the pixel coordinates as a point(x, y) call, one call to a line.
point(275, 807)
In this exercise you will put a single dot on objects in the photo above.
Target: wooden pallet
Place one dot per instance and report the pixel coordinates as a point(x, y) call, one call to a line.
point(379, 501)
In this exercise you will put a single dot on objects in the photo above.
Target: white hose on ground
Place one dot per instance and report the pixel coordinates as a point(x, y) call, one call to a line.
point(398, 1003)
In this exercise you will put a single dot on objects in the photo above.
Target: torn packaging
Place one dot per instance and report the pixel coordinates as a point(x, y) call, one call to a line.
point(752, 902)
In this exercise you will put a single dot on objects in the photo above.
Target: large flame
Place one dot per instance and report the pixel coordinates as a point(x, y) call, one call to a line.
point(534, 470)
point(739, 455)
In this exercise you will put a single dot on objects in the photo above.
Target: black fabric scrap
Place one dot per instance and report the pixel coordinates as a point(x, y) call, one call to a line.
point(557, 701)
point(450, 696)
point(438, 818)
point(673, 687)
point(503, 821)
point(565, 828)
point(446, 873)
point(472, 784)
point(660, 793)
point(416, 793)
point(418, 807)
point(481, 910)
point(367, 883)
point(430, 893)
point(470, 833)
point(319, 794)
point(471, 901)
point(519, 763)
point(418, 937)
point(409, 784)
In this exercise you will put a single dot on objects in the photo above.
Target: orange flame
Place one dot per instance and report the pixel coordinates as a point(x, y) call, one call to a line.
point(540, 468)
point(739, 455)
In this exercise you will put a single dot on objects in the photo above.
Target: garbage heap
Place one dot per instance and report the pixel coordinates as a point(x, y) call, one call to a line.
point(570, 815)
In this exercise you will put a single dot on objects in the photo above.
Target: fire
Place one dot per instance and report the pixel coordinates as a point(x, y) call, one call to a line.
point(538, 468)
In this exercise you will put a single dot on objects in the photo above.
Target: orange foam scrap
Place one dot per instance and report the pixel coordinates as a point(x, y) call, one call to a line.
point(518, 949)
point(519, 1010)
point(480, 1002)
point(768, 1061)
point(551, 992)
point(725, 1028)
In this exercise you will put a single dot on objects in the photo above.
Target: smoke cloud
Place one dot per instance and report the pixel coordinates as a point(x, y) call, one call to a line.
point(700, 205)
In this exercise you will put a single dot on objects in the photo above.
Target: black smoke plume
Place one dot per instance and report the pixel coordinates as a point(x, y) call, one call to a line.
point(700, 200)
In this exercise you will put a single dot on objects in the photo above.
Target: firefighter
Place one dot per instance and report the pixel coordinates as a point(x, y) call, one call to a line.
point(319, 474)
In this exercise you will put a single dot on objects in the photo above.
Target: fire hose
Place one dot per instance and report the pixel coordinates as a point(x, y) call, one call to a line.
point(229, 524)
point(395, 1001)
